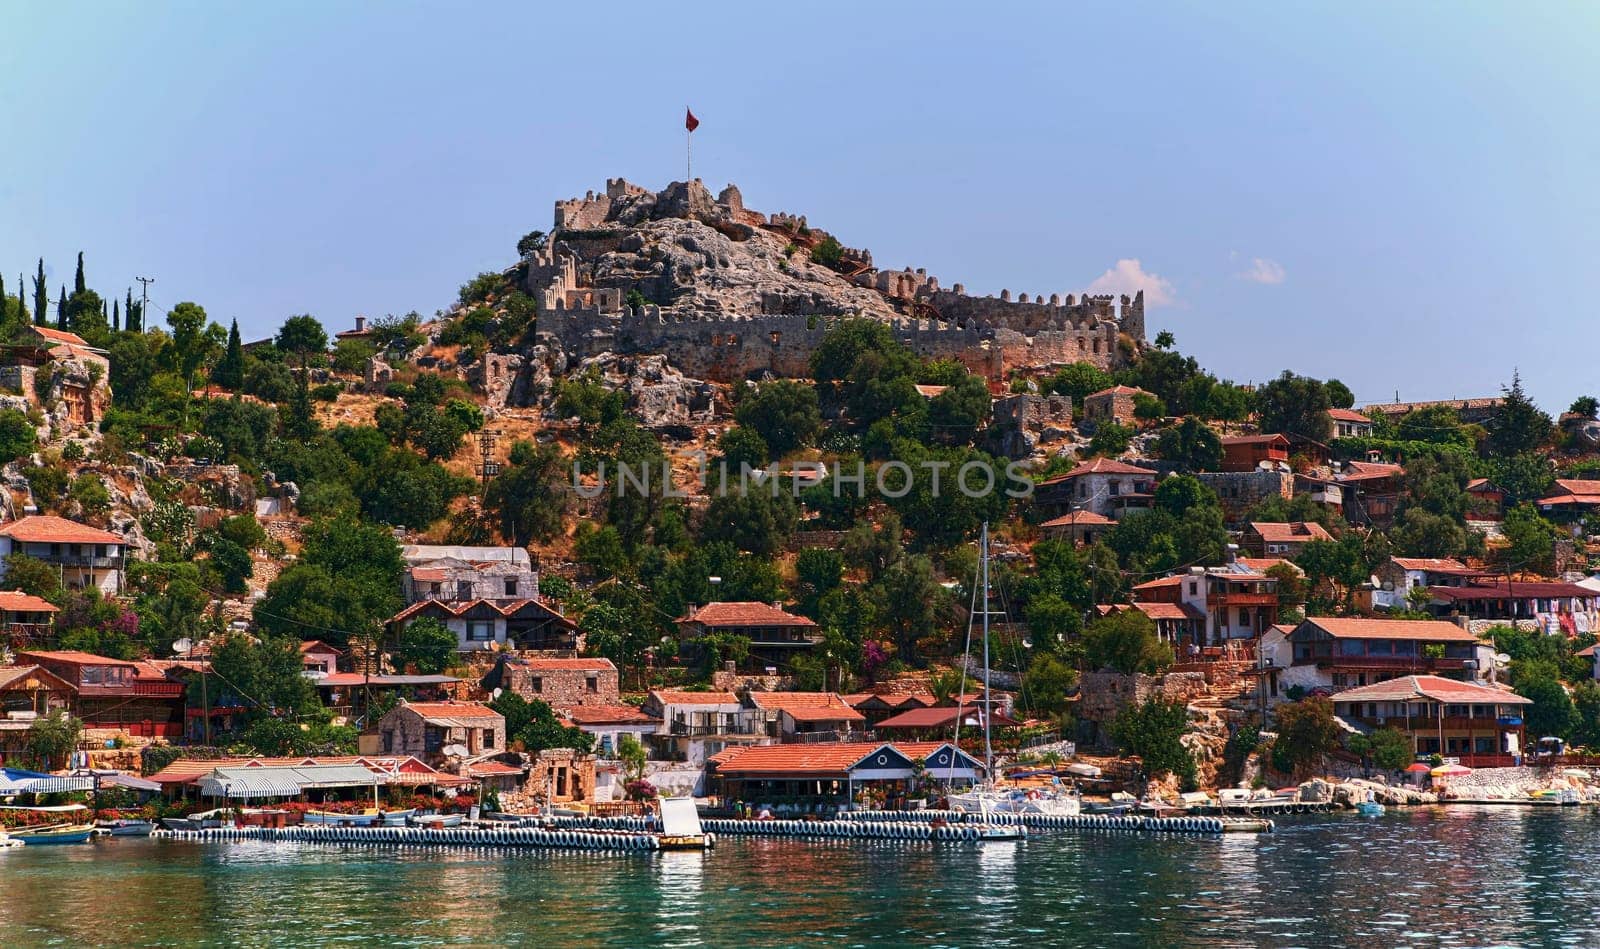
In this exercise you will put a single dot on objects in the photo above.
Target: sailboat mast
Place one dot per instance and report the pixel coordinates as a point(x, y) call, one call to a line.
point(986, 704)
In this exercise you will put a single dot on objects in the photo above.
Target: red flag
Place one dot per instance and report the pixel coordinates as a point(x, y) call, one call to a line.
point(689, 121)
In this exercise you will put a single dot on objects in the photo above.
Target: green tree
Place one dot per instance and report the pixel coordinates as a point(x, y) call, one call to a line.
point(189, 344)
point(229, 371)
point(757, 521)
point(1111, 439)
point(1154, 731)
point(1295, 405)
point(1339, 394)
point(531, 496)
point(1552, 712)
point(426, 645)
point(1191, 445)
point(956, 414)
point(345, 584)
point(1306, 732)
point(740, 448)
point(1078, 381)
point(1125, 641)
point(301, 336)
point(785, 413)
point(1334, 569)
point(630, 751)
point(52, 739)
point(534, 726)
point(1518, 426)
point(1388, 748)
point(1047, 684)
point(17, 436)
point(1531, 541)
point(32, 576)
point(590, 401)
point(41, 297)
point(231, 563)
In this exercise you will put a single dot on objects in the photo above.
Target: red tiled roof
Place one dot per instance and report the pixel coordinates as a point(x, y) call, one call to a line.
point(458, 607)
point(72, 656)
point(1578, 485)
point(430, 574)
point(579, 664)
point(1369, 471)
point(15, 601)
point(823, 713)
point(1428, 563)
point(1101, 466)
point(1168, 610)
point(59, 336)
point(744, 613)
point(1348, 415)
point(1353, 627)
point(938, 717)
point(1449, 691)
point(1253, 439)
point(1078, 517)
point(1160, 583)
point(776, 700)
point(452, 710)
point(682, 697)
point(824, 759)
point(1263, 564)
point(928, 392)
point(891, 699)
point(1275, 532)
point(1576, 500)
point(49, 529)
point(490, 769)
point(606, 715)
point(10, 674)
point(317, 645)
point(1516, 590)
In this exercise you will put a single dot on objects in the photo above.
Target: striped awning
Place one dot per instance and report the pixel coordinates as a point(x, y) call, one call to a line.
point(17, 781)
point(254, 782)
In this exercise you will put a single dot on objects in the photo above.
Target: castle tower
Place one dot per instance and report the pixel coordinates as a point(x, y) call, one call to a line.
point(1133, 317)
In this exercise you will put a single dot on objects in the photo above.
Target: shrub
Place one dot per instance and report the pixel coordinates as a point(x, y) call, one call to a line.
point(828, 252)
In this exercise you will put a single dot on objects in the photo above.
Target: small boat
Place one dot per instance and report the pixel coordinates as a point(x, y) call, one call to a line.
point(1370, 809)
point(680, 825)
point(203, 820)
point(364, 819)
point(126, 827)
point(397, 818)
point(434, 820)
point(7, 843)
point(57, 834)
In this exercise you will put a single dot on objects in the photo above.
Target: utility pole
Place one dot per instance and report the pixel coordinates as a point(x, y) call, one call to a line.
point(487, 466)
point(144, 300)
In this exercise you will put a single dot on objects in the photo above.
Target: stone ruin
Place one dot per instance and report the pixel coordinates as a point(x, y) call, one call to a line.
point(581, 291)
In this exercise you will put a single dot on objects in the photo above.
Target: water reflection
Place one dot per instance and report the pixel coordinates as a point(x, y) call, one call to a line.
point(1479, 876)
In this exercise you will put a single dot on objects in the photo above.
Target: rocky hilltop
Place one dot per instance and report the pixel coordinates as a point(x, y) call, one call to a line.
point(726, 293)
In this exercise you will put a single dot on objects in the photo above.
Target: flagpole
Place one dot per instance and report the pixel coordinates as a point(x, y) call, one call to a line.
point(688, 150)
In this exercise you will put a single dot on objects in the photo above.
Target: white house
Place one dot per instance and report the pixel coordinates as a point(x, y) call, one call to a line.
point(87, 558)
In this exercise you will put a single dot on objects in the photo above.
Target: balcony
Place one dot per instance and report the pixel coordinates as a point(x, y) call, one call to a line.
point(136, 689)
point(1386, 663)
point(1243, 599)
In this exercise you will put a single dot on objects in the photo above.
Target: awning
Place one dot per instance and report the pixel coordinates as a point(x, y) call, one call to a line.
point(284, 781)
point(17, 781)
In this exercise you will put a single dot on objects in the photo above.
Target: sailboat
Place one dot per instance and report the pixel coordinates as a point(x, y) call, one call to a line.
point(986, 798)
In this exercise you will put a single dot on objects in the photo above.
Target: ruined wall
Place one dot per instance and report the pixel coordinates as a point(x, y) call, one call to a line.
point(1239, 491)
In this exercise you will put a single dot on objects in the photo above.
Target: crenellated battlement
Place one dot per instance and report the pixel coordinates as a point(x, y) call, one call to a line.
point(992, 334)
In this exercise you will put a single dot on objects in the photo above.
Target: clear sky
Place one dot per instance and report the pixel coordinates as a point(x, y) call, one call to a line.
point(1404, 196)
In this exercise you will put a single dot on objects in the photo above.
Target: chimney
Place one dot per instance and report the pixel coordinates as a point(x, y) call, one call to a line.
point(777, 604)
point(361, 324)
point(1233, 553)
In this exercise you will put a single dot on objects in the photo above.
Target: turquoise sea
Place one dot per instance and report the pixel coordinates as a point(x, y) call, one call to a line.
point(1436, 877)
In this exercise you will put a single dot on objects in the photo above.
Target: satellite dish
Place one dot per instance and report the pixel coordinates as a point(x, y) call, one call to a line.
point(183, 646)
point(496, 693)
point(455, 751)
point(1502, 660)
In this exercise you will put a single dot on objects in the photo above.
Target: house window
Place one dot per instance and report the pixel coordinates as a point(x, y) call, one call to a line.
point(591, 684)
point(1244, 617)
point(511, 587)
point(463, 589)
point(479, 631)
point(1114, 488)
point(537, 684)
point(488, 738)
point(1194, 588)
point(388, 741)
point(432, 738)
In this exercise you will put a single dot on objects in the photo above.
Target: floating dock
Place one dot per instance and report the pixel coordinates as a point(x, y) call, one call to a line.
point(551, 838)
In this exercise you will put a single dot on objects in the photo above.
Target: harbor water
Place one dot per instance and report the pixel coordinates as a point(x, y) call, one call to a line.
point(1462, 876)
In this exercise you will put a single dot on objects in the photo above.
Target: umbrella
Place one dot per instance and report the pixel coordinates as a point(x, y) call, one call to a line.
point(1417, 767)
point(1576, 773)
point(1447, 770)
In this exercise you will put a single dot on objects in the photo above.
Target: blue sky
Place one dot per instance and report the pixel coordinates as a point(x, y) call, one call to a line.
point(1402, 198)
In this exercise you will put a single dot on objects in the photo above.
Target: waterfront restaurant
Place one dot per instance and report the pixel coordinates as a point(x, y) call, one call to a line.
point(1479, 724)
point(833, 774)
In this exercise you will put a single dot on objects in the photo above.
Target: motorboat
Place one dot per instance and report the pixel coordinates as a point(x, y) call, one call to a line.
point(203, 820)
point(397, 818)
point(55, 834)
point(126, 827)
point(434, 820)
point(1370, 809)
point(1048, 801)
point(365, 818)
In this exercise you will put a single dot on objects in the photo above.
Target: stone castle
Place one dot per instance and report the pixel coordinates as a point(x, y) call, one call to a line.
point(737, 293)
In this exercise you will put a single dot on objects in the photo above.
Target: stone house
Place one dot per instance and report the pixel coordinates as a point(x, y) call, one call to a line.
point(561, 683)
point(562, 776)
point(59, 373)
point(456, 578)
point(608, 723)
point(1398, 576)
point(1115, 404)
point(1239, 491)
point(1080, 528)
point(427, 729)
point(1348, 423)
point(87, 558)
point(1232, 603)
point(1104, 486)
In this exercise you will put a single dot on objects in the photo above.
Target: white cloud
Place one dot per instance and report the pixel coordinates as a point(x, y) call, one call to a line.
point(1264, 270)
point(1129, 276)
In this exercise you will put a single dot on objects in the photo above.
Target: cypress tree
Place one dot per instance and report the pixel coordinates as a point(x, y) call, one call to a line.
point(128, 308)
point(3, 307)
point(230, 369)
point(22, 298)
point(116, 316)
point(78, 285)
point(61, 310)
point(41, 297)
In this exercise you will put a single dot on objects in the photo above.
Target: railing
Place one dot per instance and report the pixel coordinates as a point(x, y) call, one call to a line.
point(817, 738)
point(686, 730)
point(136, 689)
point(1244, 599)
point(1402, 663)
